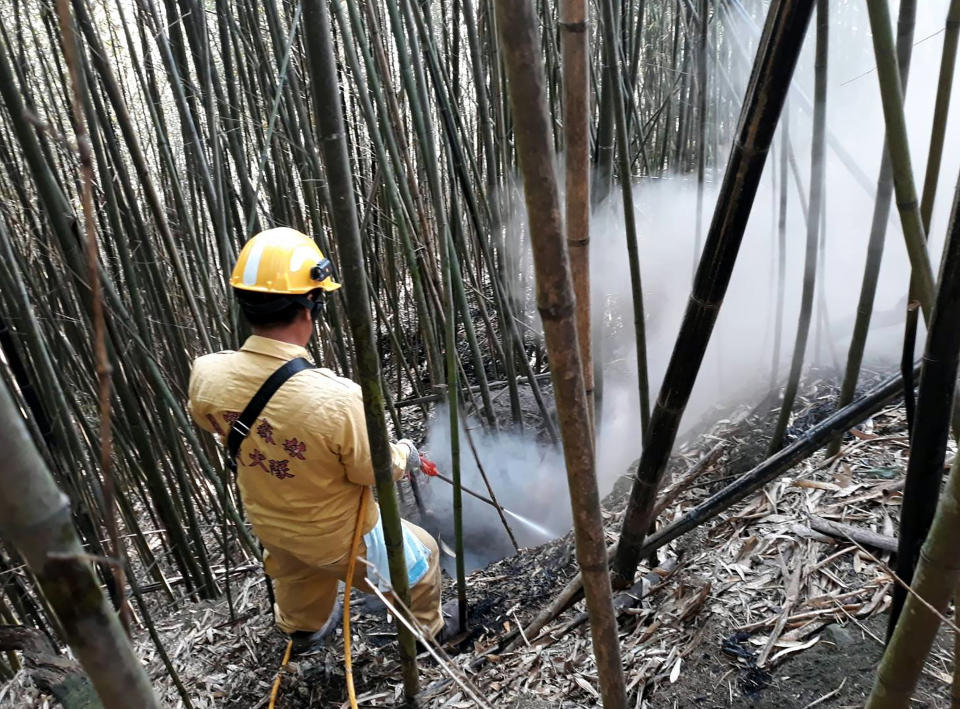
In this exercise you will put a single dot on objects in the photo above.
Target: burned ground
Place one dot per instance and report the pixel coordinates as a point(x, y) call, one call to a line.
point(758, 609)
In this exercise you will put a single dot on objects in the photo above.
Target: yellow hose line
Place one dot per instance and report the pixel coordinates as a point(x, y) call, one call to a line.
point(276, 682)
point(351, 565)
point(348, 583)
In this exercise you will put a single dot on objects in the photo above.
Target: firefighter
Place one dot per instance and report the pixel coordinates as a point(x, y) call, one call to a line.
point(303, 462)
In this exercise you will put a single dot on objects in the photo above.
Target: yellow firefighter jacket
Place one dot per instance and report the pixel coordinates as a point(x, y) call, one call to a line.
point(307, 458)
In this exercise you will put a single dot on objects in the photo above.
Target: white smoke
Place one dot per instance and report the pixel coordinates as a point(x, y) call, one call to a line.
point(529, 477)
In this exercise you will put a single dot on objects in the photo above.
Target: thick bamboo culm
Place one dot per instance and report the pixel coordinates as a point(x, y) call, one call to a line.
point(574, 42)
point(325, 90)
point(779, 48)
point(556, 304)
point(938, 561)
point(930, 181)
point(35, 516)
point(929, 434)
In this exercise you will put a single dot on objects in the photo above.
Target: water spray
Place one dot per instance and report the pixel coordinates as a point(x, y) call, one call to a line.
point(539, 529)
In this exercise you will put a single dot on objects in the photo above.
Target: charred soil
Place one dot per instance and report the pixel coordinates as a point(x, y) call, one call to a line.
point(753, 609)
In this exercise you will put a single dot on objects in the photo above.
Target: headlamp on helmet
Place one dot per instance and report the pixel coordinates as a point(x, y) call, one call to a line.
point(322, 271)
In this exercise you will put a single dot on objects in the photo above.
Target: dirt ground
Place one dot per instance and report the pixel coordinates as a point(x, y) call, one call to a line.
point(753, 609)
point(836, 672)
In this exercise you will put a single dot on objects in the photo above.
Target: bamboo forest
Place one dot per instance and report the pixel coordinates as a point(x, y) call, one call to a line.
point(479, 353)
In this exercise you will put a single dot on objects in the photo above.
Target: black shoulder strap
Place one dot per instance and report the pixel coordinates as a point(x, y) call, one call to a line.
point(241, 427)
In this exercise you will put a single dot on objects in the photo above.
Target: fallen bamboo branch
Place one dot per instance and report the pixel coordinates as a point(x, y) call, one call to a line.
point(856, 534)
point(179, 580)
point(772, 468)
point(405, 616)
point(440, 392)
point(793, 590)
point(669, 495)
point(798, 619)
point(648, 584)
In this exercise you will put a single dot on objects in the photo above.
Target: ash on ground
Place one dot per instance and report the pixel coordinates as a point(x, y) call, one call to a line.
point(755, 608)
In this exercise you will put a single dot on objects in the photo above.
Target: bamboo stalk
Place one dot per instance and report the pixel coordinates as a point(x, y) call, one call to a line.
point(815, 208)
point(891, 96)
point(35, 516)
point(611, 49)
point(934, 406)
point(779, 48)
point(574, 40)
point(701, 127)
point(931, 178)
point(448, 258)
point(781, 248)
point(556, 304)
point(490, 492)
point(393, 184)
point(104, 369)
point(936, 582)
point(322, 64)
point(158, 644)
point(955, 685)
point(878, 230)
point(135, 152)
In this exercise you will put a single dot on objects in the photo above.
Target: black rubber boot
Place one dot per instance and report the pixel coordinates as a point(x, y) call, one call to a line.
point(307, 641)
point(451, 629)
point(451, 621)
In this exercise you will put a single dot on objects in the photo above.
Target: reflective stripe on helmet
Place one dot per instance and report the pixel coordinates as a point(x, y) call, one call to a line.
point(300, 256)
point(253, 263)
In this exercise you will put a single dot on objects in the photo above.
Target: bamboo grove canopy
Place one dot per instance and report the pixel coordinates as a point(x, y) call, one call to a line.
point(201, 132)
point(143, 141)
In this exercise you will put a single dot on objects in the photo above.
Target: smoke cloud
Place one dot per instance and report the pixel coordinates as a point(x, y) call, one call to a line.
point(529, 477)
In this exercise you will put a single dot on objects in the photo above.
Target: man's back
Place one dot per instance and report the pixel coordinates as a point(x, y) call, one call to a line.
point(303, 465)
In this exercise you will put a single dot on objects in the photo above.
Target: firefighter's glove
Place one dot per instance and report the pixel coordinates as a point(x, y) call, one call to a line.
point(413, 457)
point(428, 466)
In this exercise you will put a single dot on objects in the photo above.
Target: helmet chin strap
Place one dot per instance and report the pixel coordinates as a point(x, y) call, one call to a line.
point(317, 307)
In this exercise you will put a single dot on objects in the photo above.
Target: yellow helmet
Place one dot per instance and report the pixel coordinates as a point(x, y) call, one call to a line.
point(282, 260)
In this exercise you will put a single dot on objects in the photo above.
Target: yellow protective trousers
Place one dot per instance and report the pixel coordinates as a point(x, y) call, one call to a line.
point(306, 594)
